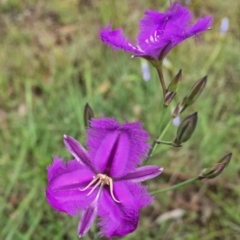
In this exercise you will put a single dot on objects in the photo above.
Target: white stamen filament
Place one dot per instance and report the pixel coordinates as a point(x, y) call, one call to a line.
point(139, 48)
point(152, 39)
point(111, 190)
point(101, 179)
point(98, 183)
point(90, 184)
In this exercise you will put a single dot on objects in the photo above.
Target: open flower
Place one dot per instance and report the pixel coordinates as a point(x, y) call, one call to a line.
point(104, 180)
point(159, 32)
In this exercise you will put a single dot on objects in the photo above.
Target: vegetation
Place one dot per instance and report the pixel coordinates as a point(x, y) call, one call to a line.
point(53, 62)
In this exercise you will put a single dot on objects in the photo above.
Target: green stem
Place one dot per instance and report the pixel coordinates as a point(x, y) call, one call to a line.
point(161, 78)
point(191, 180)
point(164, 142)
point(154, 144)
point(165, 129)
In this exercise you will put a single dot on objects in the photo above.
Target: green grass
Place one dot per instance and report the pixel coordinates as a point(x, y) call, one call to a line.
point(52, 62)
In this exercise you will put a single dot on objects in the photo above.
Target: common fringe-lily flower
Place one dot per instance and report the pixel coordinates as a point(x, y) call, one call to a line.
point(104, 180)
point(159, 32)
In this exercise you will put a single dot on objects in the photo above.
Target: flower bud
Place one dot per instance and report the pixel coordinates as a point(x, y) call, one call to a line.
point(179, 108)
point(195, 91)
point(88, 114)
point(217, 169)
point(186, 129)
point(169, 96)
point(173, 86)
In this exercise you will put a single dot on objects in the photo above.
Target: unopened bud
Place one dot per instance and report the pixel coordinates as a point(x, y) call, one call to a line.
point(217, 169)
point(173, 86)
point(88, 114)
point(179, 108)
point(186, 129)
point(195, 91)
point(168, 98)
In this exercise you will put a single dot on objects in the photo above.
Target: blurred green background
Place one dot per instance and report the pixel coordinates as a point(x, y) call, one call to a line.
point(52, 62)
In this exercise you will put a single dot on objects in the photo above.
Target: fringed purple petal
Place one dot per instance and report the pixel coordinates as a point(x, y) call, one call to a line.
point(178, 15)
point(78, 151)
point(156, 28)
point(116, 149)
point(87, 219)
point(156, 31)
point(151, 27)
point(64, 181)
point(200, 26)
point(142, 174)
point(117, 40)
point(119, 219)
point(150, 38)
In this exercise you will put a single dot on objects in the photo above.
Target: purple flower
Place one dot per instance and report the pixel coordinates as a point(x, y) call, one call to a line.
point(104, 180)
point(159, 32)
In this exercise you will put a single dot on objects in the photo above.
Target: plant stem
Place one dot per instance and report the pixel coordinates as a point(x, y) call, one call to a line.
point(161, 78)
point(165, 129)
point(191, 180)
point(154, 144)
point(164, 142)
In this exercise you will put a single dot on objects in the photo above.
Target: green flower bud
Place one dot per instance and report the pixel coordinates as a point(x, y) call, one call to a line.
point(195, 91)
point(88, 114)
point(186, 129)
point(173, 86)
point(217, 169)
point(179, 108)
point(192, 95)
point(169, 96)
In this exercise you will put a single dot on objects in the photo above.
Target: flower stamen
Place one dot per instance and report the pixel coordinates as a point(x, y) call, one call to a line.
point(98, 183)
point(111, 190)
point(90, 184)
point(101, 179)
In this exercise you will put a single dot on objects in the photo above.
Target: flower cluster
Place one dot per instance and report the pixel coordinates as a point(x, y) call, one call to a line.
point(104, 180)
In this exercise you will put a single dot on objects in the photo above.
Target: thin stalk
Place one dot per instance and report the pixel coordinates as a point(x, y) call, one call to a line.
point(165, 142)
point(154, 144)
point(161, 78)
point(191, 180)
point(160, 129)
point(160, 137)
point(165, 130)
